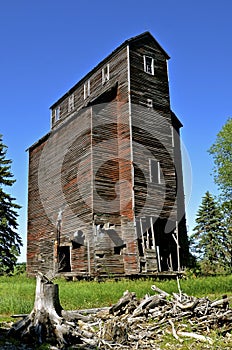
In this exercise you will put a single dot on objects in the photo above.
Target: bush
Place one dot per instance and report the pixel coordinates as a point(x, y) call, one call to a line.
point(19, 269)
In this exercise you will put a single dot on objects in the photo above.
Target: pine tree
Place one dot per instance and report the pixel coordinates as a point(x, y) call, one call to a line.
point(227, 235)
point(10, 240)
point(221, 152)
point(207, 241)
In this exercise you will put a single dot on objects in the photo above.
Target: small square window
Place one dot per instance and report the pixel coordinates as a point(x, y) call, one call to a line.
point(57, 114)
point(87, 89)
point(71, 103)
point(149, 103)
point(105, 74)
point(148, 64)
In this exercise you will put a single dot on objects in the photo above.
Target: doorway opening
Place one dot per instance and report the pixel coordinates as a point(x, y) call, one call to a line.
point(64, 259)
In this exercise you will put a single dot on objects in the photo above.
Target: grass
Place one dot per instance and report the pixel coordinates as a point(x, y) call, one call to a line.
point(219, 342)
point(17, 297)
point(17, 292)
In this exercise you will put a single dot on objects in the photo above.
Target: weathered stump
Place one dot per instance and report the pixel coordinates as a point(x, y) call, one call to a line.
point(45, 323)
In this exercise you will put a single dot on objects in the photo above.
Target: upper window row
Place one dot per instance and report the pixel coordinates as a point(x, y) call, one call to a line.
point(87, 91)
point(70, 107)
point(148, 68)
point(105, 78)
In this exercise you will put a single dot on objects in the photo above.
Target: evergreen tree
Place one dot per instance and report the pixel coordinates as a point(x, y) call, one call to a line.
point(221, 152)
point(10, 241)
point(207, 241)
point(227, 235)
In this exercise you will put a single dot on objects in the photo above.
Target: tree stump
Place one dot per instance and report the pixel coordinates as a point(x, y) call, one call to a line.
point(45, 323)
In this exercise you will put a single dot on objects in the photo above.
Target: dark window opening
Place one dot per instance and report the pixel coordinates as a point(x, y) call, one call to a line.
point(76, 245)
point(149, 65)
point(118, 250)
point(142, 266)
point(140, 247)
point(149, 103)
point(100, 255)
point(154, 171)
point(64, 259)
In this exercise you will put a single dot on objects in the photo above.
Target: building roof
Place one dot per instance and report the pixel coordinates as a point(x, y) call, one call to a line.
point(38, 142)
point(124, 44)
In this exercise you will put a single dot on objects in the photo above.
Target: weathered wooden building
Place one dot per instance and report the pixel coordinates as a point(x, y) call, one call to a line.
point(105, 184)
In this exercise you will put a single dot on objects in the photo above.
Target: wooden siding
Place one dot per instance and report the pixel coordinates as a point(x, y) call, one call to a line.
point(117, 70)
point(40, 229)
point(152, 137)
point(91, 197)
point(153, 140)
point(147, 86)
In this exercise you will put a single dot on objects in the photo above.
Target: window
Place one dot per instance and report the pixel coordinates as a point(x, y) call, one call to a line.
point(57, 114)
point(119, 249)
point(100, 255)
point(154, 166)
point(64, 259)
point(148, 65)
point(87, 89)
point(71, 103)
point(105, 74)
point(149, 103)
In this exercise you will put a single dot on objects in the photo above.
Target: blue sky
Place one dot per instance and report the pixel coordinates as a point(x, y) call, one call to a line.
point(48, 45)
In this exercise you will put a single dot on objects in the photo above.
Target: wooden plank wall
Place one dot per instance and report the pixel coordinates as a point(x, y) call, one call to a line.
point(152, 139)
point(93, 179)
point(152, 131)
point(41, 234)
point(76, 179)
point(112, 170)
point(89, 176)
point(147, 86)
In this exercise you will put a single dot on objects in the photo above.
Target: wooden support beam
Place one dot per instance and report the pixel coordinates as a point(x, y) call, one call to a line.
point(152, 233)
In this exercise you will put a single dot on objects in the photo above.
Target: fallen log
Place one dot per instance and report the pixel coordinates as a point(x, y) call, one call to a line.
point(195, 336)
point(128, 298)
point(162, 292)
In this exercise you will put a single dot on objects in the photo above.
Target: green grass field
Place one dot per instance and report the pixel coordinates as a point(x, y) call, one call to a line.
point(17, 297)
point(17, 292)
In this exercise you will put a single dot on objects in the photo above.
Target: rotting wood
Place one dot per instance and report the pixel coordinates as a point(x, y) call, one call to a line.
point(195, 336)
point(131, 323)
point(45, 320)
point(97, 170)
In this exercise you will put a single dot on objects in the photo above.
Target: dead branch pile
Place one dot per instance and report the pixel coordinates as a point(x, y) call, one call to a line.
point(141, 324)
point(134, 324)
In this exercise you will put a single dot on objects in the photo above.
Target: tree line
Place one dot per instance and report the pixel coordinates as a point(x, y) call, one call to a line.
point(10, 239)
point(211, 240)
